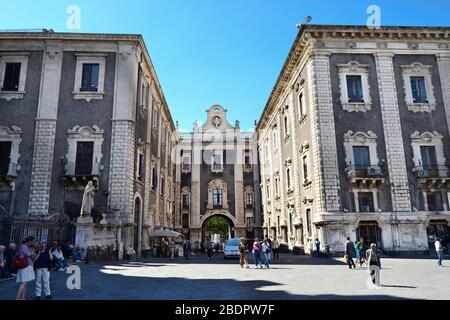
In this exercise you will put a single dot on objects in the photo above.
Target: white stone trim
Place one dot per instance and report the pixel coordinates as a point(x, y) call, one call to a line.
point(18, 57)
point(417, 69)
point(354, 68)
point(427, 139)
point(80, 134)
point(13, 134)
point(218, 184)
point(359, 138)
point(89, 58)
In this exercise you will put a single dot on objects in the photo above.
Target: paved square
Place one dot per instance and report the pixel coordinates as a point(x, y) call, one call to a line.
point(294, 277)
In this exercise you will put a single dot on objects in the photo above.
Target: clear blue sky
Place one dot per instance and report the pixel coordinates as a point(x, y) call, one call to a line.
point(207, 52)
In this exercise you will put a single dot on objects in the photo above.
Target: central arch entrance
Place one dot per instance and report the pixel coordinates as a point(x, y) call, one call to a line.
point(218, 228)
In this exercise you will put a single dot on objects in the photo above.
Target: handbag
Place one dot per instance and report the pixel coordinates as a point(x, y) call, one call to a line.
point(18, 263)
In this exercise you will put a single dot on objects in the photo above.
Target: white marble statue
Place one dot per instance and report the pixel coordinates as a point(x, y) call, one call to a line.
point(88, 200)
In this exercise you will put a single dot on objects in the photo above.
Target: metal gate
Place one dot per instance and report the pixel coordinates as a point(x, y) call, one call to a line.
point(5, 226)
point(57, 227)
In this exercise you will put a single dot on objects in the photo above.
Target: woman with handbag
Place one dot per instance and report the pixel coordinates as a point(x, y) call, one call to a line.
point(24, 264)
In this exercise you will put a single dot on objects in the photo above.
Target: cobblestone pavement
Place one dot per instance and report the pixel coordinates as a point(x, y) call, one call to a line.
point(294, 277)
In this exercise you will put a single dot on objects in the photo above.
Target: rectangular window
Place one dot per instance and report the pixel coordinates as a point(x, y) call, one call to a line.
point(154, 179)
point(286, 126)
point(434, 200)
point(12, 76)
point(84, 157)
point(428, 155)
point(247, 162)
point(308, 222)
point(288, 177)
point(268, 192)
point(249, 222)
point(217, 198)
point(366, 202)
point(186, 201)
point(89, 77)
point(301, 106)
point(186, 162)
point(354, 89)
point(185, 220)
point(162, 186)
point(305, 168)
point(418, 89)
point(217, 161)
point(249, 200)
point(5, 154)
point(361, 156)
point(140, 170)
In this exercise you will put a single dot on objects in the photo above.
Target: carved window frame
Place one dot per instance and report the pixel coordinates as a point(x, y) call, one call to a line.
point(218, 184)
point(428, 139)
point(84, 134)
point(362, 139)
point(14, 135)
point(354, 68)
point(14, 57)
point(83, 58)
point(418, 69)
point(249, 190)
point(186, 191)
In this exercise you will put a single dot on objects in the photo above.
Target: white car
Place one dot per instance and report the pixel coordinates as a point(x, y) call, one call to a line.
point(231, 249)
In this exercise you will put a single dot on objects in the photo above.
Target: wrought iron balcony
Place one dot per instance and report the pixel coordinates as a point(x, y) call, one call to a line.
point(433, 176)
point(365, 175)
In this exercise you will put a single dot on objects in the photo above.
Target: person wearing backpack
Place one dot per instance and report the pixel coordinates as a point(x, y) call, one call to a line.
point(266, 251)
point(257, 253)
point(23, 262)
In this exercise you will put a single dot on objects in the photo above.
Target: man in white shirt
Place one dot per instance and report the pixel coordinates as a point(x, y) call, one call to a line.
point(439, 250)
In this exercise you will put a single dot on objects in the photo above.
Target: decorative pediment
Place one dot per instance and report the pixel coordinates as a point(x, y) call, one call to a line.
point(10, 132)
point(353, 66)
point(360, 137)
point(416, 67)
point(85, 131)
point(426, 137)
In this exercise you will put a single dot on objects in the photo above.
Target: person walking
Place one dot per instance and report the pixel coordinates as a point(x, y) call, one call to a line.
point(25, 274)
point(317, 243)
point(266, 252)
point(350, 253)
point(186, 249)
point(242, 254)
point(257, 253)
point(373, 256)
point(42, 266)
point(275, 249)
point(361, 251)
point(439, 251)
point(209, 248)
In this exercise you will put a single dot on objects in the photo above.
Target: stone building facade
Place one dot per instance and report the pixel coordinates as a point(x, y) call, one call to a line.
point(354, 139)
point(217, 175)
point(81, 107)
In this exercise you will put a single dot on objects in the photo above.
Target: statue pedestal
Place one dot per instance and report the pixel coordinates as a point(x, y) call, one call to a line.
point(85, 231)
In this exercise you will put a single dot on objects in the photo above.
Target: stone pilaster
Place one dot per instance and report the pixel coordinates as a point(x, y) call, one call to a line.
point(195, 183)
point(121, 177)
point(323, 136)
point(443, 60)
point(44, 139)
point(239, 185)
point(395, 153)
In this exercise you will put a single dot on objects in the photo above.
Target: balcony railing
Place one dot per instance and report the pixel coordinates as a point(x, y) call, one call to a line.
point(365, 171)
point(432, 171)
point(71, 170)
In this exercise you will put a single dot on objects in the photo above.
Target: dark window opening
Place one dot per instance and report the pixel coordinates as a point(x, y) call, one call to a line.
point(12, 76)
point(185, 221)
point(154, 179)
point(366, 202)
point(354, 89)
point(141, 167)
point(308, 222)
point(5, 153)
point(419, 92)
point(89, 78)
point(83, 162)
point(217, 198)
point(185, 201)
point(434, 200)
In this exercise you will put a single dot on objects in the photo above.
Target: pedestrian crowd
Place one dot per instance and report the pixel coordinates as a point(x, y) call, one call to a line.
point(34, 261)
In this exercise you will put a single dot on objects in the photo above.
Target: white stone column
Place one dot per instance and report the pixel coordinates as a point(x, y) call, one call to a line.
point(197, 159)
point(395, 153)
point(323, 136)
point(44, 139)
point(443, 60)
point(239, 184)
